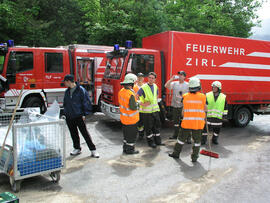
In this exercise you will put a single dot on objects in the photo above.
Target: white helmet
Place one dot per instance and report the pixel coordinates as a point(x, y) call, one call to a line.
point(130, 78)
point(194, 82)
point(217, 84)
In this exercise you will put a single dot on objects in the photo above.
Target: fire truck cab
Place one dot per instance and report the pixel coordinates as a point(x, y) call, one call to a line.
point(41, 71)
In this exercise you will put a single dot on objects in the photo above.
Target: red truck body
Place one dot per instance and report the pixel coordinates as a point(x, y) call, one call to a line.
point(241, 65)
point(41, 71)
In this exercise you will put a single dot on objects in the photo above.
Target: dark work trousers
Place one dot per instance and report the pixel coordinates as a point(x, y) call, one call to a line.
point(73, 125)
point(214, 125)
point(196, 135)
point(152, 124)
point(130, 136)
point(140, 125)
point(177, 119)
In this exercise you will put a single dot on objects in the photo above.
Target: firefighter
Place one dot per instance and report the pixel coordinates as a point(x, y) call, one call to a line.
point(217, 107)
point(194, 107)
point(129, 114)
point(179, 88)
point(136, 88)
point(148, 94)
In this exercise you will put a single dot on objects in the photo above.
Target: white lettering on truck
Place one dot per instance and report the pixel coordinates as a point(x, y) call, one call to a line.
point(209, 49)
point(201, 62)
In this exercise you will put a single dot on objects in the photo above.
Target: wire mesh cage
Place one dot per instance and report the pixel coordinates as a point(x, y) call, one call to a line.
point(34, 146)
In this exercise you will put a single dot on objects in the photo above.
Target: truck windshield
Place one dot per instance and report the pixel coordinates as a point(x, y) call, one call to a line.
point(114, 67)
point(2, 61)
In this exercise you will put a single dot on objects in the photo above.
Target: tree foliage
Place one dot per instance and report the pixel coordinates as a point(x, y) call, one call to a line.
point(62, 22)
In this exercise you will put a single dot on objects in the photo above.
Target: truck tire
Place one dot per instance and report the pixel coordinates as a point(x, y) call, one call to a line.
point(35, 102)
point(242, 117)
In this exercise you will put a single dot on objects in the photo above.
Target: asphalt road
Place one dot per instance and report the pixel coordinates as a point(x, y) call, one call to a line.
point(241, 174)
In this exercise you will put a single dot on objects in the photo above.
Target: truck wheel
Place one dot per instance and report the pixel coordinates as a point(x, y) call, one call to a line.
point(242, 117)
point(35, 102)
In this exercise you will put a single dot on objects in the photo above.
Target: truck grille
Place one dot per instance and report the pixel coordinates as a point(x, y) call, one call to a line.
point(107, 97)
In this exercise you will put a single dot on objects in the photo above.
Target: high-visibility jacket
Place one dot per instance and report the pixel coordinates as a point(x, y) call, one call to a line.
point(136, 88)
point(194, 111)
point(127, 116)
point(149, 97)
point(215, 109)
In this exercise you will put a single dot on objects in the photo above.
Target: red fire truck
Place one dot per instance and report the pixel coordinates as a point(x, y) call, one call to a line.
point(242, 65)
point(41, 71)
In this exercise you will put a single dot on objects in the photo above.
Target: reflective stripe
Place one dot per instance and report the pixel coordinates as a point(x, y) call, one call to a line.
point(149, 108)
point(129, 115)
point(197, 144)
point(122, 99)
point(194, 102)
point(149, 136)
point(145, 110)
point(157, 135)
point(214, 115)
point(214, 110)
point(140, 128)
point(130, 144)
point(215, 134)
point(124, 108)
point(216, 124)
point(194, 110)
point(204, 134)
point(180, 142)
point(193, 118)
point(176, 125)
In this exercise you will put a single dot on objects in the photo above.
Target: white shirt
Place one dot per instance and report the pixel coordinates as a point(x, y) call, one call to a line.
point(179, 89)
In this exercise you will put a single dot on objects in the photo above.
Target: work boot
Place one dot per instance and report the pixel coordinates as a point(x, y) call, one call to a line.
point(215, 140)
point(188, 140)
point(127, 149)
point(173, 155)
point(157, 140)
point(176, 151)
point(204, 139)
point(173, 137)
point(151, 142)
point(194, 160)
point(195, 153)
point(132, 152)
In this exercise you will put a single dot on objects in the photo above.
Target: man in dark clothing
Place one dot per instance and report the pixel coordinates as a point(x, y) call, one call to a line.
point(77, 105)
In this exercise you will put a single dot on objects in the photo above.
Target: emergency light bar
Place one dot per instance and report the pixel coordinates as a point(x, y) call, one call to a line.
point(128, 44)
point(116, 47)
point(10, 43)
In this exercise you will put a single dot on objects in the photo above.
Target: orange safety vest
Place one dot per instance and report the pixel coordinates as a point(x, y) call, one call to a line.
point(194, 111)
point(127, 116)
point(136, 88)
